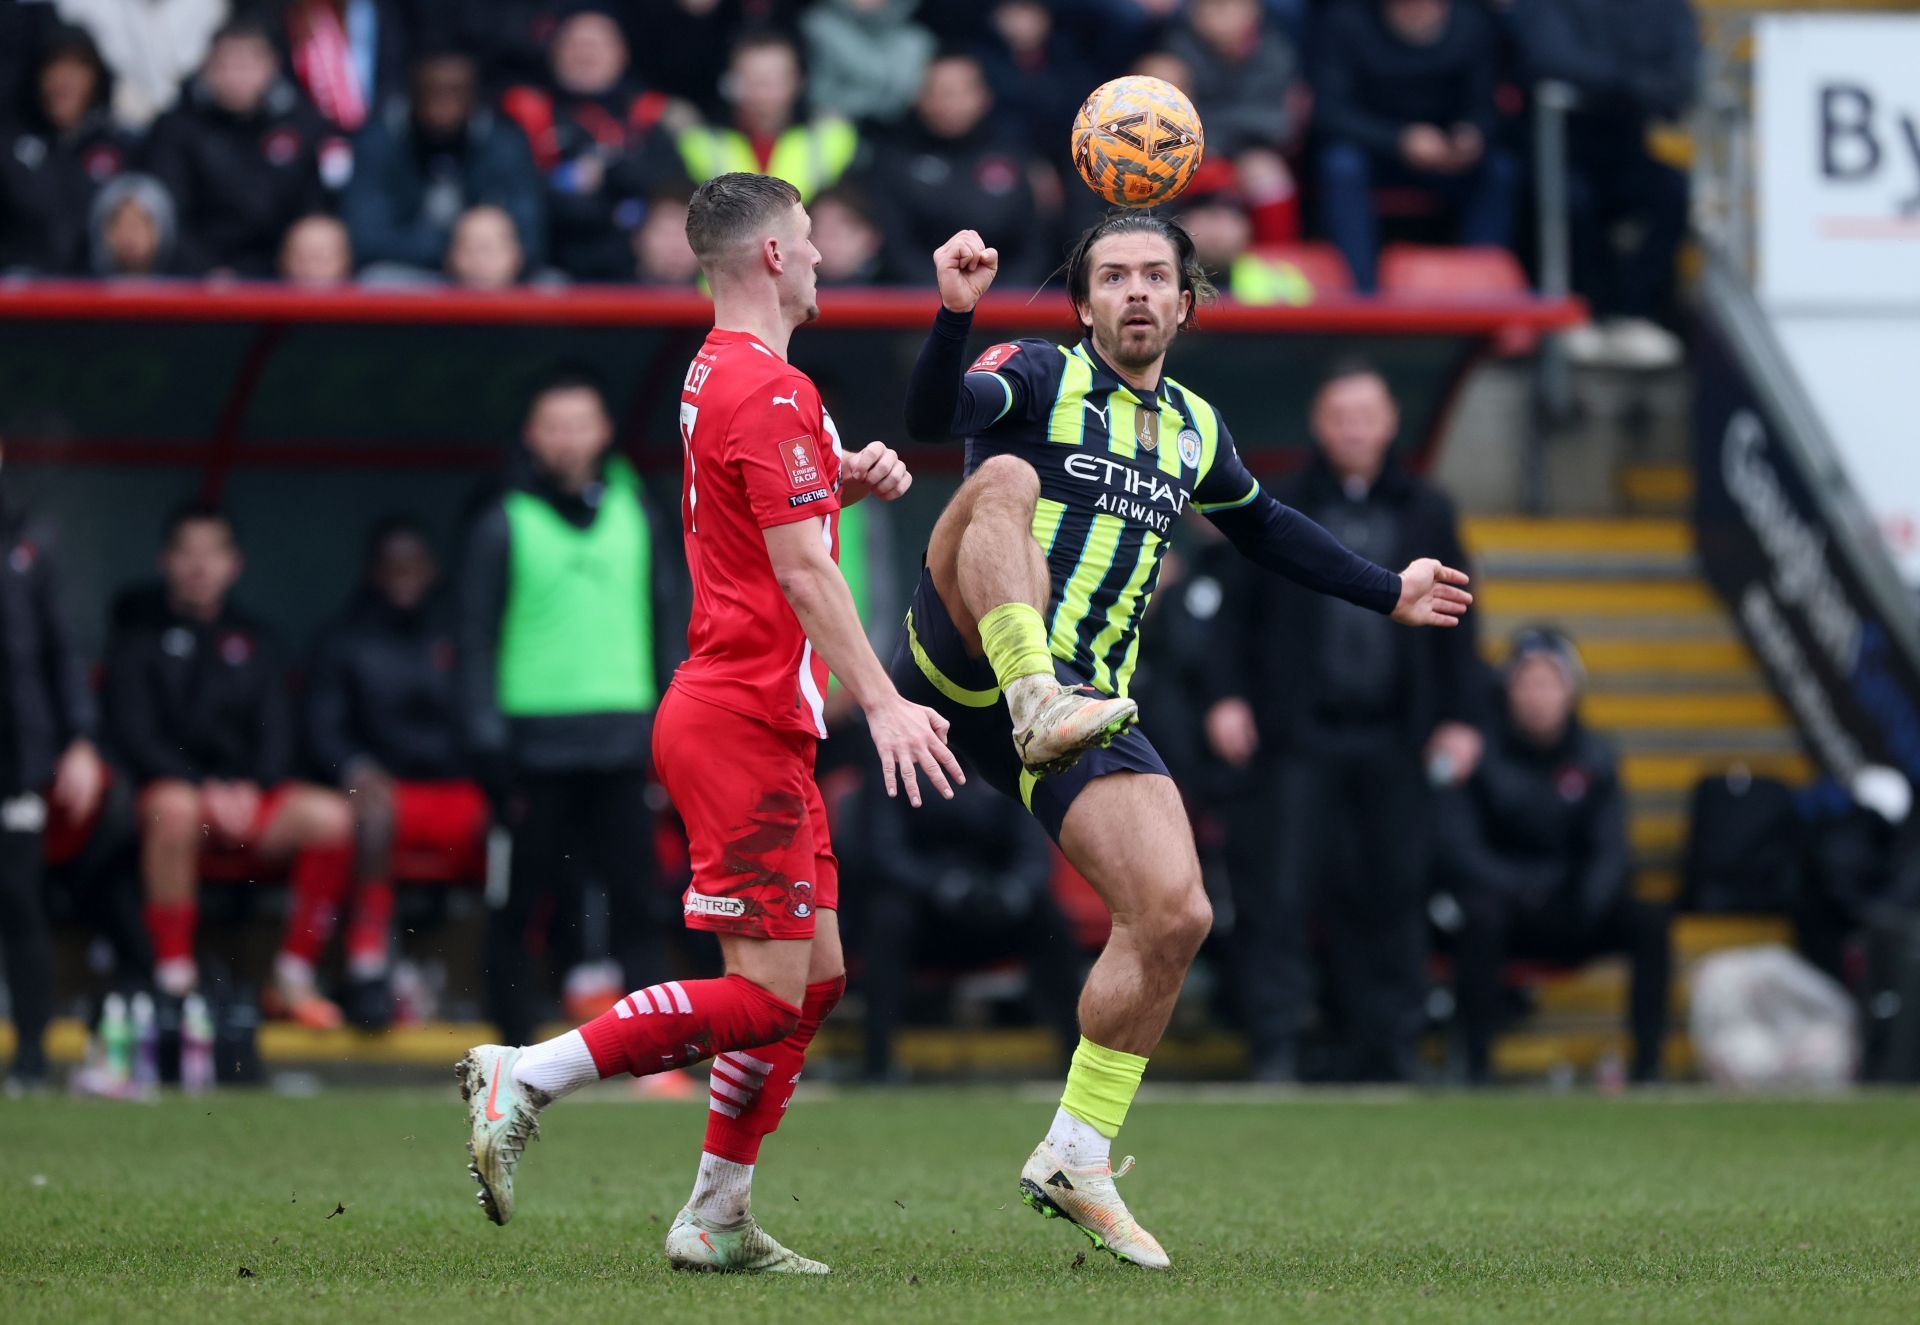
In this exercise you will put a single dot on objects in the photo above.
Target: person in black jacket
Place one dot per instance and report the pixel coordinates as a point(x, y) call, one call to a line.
point(240, 154)
point(421, 163)
point(1404, 94)
point(199, 716)
point(383, 725)
point(1534, 849)
point(1338, 726)
point(960, 882)
point(954, 158)
point(1632, 62)
point(46, 755)
point(54, 156)
point(568, 630)
point(599, 140)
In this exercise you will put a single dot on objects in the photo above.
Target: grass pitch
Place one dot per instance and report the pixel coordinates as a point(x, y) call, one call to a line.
point(1329, 1208)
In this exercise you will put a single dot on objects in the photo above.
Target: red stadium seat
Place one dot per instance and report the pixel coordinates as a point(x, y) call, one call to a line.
point(1422, 272)
point(1323, 266)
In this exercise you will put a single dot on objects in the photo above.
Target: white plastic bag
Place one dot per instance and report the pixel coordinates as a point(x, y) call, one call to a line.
point(1763, 1019)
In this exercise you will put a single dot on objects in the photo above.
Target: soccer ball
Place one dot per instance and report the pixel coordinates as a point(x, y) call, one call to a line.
point(1137, 141)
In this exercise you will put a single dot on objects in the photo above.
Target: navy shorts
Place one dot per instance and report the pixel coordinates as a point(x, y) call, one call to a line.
point(931, 666)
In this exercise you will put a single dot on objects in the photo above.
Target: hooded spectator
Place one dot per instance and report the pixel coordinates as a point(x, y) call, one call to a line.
point(132, 230)
point(240, 154)
point(316, 254)
point(55, 157)
point(953, 159)
point(153, 47)
point(599, 140)
point(423, 162)
point(764, 86)
point(866, 57)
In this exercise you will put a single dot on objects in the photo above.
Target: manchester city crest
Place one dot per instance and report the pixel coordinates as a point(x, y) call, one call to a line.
point(1189, 448)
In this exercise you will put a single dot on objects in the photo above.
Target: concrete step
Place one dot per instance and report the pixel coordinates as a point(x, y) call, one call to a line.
point(1684, 711)
point(1661, 489)
point(1579, 548)
point(1676, 771)
point(1548, 599)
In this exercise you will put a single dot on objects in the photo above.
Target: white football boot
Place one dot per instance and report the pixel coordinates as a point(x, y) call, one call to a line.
point(502, 1116)
point(1087, 1198)
point(1069, 722)
point(695, 1244)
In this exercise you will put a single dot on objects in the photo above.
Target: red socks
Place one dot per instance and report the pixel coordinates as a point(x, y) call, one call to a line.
point(679, 1022)
point(751, 1090)
point(321, 879)
point(171, 926)
point(370, 932)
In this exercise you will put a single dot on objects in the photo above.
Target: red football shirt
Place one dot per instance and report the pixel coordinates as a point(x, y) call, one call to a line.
point(760, 451)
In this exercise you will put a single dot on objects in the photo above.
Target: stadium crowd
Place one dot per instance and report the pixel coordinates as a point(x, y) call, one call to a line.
point(483, 144)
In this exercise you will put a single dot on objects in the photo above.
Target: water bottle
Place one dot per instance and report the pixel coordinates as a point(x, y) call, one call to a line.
point(116, 1040)
point(146, 1045)
point(196, 1046)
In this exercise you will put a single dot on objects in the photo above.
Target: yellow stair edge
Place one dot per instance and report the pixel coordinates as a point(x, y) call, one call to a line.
point(1548, 599)
point(1687, 709)
point(1604, 655)
point(1641, 534)
point(1657, 483)
point(1679, 772)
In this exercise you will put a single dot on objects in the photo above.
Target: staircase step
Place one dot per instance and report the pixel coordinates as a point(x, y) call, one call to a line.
point(1677, 771)
point(1604, 538)
point(1546, 599)
point(1687, 709)
point(1657, 489)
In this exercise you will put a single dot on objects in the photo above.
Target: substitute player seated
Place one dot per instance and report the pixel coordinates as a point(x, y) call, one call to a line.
point(1079, 460)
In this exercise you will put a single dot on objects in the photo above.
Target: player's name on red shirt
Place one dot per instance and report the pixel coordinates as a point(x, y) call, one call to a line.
point(760, 451)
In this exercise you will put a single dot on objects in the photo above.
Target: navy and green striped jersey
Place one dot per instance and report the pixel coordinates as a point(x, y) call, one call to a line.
point(1116, 471)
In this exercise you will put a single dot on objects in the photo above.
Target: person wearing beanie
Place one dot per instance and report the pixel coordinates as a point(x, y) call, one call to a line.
point(1534, 849)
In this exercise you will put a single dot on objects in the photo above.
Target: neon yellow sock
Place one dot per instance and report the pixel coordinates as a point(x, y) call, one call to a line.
point(1101, 1085)
point(1015, 638)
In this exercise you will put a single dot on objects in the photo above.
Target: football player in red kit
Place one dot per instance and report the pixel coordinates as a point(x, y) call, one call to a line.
point(734, 742)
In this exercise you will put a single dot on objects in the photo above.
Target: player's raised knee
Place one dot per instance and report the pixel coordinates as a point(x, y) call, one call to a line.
point(1184, 921)
point(1009, 478)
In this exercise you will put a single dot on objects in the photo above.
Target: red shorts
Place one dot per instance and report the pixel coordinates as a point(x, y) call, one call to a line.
point(444, 817)
point(756, 826)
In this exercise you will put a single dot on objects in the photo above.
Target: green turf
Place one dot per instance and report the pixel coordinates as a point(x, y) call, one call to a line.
point(1519, 1208)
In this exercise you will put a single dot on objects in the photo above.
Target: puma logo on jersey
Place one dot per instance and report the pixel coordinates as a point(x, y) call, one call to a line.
point(793, 400)
point(1099, 411)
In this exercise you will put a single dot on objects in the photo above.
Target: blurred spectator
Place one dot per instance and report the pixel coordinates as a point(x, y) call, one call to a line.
point(764, 86)
point(347, 55)
point(865, 57)
point(850, 244)
point(316, 254)
point(152, 46)
point(46, 755)
point(684, 46)
point(383, 725)
point(1534, 849)
point(951, 164)
point(508, 39)
point(1632, 62)
point(1244, 73)
point(132, 231)
point(661, 254)
point(1039, 74)
point(199, 715)
point(1117, 31)
point(963, 883)
point(567, 622)
point(1222, 240)
point(485, 252)
point(21, 27)
point(1340, 719)
point(598, 139)
point(1406, 98)
point(55, 156)
point(240, 154)
point(421, 163)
